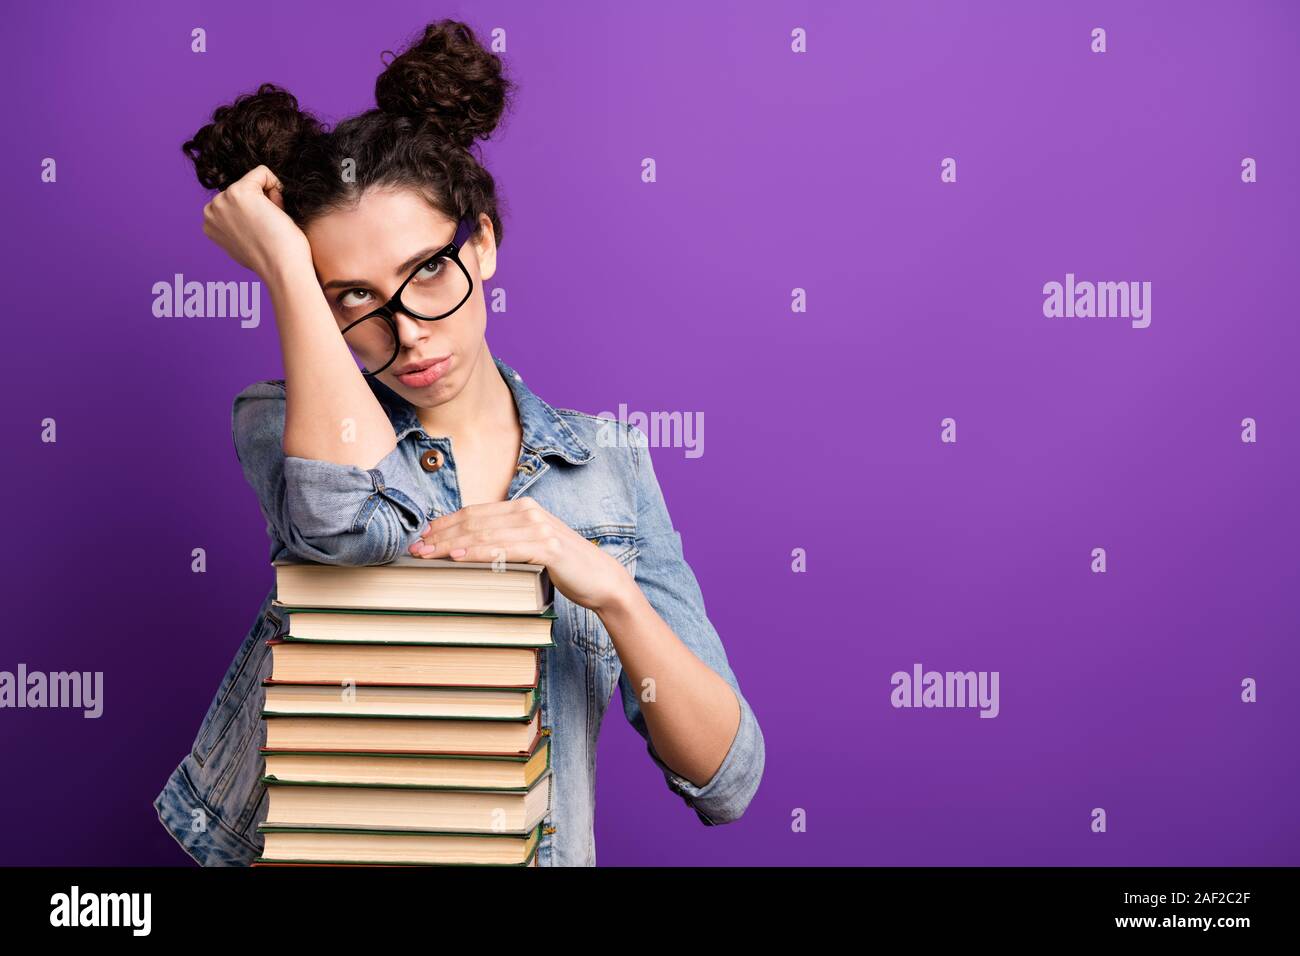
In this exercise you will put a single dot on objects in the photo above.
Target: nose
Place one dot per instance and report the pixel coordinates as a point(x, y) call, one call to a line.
point(411, 332)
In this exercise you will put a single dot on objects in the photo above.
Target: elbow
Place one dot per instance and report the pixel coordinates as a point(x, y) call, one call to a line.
point(353, 550)
point(726, 797)
point(376, 535)
point(379, 541)
point(737, 801)
point(330, 517)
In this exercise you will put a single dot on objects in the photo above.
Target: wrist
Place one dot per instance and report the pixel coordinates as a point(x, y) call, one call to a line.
point(287, 275)
point(622, 602)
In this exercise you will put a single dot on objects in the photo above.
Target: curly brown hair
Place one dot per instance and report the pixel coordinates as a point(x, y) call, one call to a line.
point(433, 101)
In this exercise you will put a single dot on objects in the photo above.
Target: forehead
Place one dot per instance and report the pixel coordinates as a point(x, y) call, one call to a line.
point(371, 238)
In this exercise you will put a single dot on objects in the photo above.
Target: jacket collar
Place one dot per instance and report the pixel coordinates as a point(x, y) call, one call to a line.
point(545, 432)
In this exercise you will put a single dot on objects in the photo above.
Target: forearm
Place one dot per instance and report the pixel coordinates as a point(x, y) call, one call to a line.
point(330, 413)
point(691, 713)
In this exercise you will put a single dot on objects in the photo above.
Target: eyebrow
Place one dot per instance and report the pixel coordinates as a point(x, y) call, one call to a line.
point(401, 270)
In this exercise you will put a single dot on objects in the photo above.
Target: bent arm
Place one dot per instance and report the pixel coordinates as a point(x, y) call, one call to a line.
point(331, 415)
point(697, 724)
point(691, 712)
point(321, 510)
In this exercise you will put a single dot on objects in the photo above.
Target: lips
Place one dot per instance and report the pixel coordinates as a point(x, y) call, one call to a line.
point(421, 374)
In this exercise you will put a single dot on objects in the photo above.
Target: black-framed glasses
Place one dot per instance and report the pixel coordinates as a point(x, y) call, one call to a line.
point(438, 287)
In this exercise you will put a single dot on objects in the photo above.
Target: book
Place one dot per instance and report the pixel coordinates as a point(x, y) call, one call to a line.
point(416, 584)
point(479, 771)
point(388, 626)
point(403, 715)
point(323, 698)
point(295, 661)
point(365, 807)
point(337, 846)
point(259, 862)
point(494, 736)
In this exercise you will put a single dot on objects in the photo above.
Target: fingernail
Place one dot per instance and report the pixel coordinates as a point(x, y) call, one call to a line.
point(458, 552)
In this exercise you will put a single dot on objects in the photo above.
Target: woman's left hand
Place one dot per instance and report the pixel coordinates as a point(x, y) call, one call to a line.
point(521, 530)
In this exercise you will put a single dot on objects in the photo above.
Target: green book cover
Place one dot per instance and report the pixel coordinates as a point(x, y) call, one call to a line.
point(548, 611)
point(276, 781)
point(273, 714)
point(391, 755)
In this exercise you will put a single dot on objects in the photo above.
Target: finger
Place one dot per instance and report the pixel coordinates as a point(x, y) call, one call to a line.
point(485, 509)
point(480, 537)
point(260, 181)
point(475, 522)
point(523, 552)
point(263, 178)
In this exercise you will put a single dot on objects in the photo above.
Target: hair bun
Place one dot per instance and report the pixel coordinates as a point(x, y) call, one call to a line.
point(264, 128)
point(449, 80)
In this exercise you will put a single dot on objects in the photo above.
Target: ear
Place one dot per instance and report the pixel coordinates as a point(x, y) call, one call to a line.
point(485, 248)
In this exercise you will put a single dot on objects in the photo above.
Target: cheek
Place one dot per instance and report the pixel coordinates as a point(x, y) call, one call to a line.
point(473, 322)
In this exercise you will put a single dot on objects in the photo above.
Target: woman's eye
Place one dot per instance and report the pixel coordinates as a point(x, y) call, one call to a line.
point(348, 302)
point(430, 270)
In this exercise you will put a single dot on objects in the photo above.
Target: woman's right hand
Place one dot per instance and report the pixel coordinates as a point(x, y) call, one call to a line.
point(248, 220)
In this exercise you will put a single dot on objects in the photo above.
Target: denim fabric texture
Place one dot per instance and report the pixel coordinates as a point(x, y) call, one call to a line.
point(595, 474)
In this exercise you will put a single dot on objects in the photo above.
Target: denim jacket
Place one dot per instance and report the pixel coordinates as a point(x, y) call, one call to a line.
point(602, 485)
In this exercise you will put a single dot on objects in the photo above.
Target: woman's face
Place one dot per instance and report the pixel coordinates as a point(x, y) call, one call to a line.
point(363, 254)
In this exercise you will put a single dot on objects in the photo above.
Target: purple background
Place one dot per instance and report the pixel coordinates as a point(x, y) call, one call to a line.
point(822, 429)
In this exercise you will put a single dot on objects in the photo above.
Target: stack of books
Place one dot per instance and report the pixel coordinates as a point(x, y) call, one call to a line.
point(403, 723)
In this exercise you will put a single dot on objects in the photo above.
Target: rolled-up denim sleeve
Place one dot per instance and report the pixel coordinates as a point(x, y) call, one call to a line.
point(673, 591)
point(321, 510)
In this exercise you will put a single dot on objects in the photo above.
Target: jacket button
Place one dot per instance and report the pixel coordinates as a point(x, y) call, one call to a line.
point(431, 460)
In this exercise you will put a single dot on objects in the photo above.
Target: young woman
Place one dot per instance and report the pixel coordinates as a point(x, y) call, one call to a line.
point(395, 430)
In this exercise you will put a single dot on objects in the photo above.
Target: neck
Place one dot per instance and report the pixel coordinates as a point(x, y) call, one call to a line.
point(484, 406)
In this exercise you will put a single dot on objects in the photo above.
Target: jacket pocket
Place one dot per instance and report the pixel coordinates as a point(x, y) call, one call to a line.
point(620, 544)
point(241, 677)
